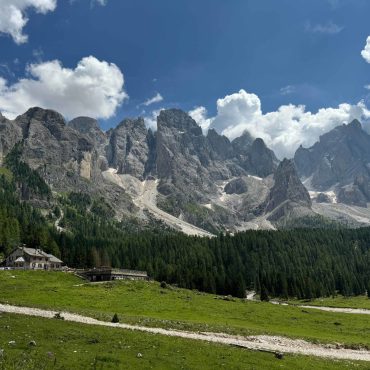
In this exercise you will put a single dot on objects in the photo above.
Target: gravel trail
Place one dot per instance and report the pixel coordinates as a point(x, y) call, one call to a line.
point(257, 342)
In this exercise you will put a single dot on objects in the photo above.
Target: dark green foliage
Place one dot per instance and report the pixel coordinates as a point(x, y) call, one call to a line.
point(115, 318)
point(301, 263)
point(163, 285)
point(20, 223)
point(264, 294)
point(28, 180)
point(102, 209)
point(80, 200)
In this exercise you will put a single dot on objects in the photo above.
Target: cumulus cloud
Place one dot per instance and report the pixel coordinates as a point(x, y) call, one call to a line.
point(328, 28)
point(151, 119)
point(13, 16)
point(366, 51)
point(155, 99)
point(93, 88)
point(199, 114)
point(282, 130)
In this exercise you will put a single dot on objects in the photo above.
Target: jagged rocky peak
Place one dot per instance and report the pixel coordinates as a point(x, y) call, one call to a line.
point(91, 129)
point(287, 187)
point(53, 121)
point(128, 149)
point(242, 143)
point(337, 158)
point(179, 120)
point(263, 161)
point(220, 145)
point(85, 125)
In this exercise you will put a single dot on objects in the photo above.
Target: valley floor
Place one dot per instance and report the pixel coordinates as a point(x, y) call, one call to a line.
point(263, 343)
point(196, 319)
point(43, 344)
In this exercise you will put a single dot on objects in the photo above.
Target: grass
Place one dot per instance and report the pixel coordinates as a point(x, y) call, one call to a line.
point(338, 301)
point(7, 173)
point(64, 345)
point(145, 303)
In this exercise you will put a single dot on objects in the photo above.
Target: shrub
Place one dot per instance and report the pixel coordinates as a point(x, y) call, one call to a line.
point(115, 318)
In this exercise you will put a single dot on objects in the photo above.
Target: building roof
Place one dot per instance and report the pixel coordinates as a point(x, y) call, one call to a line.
point(40, 253)
point(53, 259)
point(20, 259)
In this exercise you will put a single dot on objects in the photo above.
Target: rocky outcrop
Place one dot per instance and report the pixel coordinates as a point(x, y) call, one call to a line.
point(183, 155)
point(90, 128)
point(130, 146)
point(10, 134)
point(236, 186)
point(323, 198)
point(61, 154)
point(287, 188)
point(338, 157)
point(352, 195)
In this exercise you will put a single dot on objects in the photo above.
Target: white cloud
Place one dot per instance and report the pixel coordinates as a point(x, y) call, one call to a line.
point(155, 99)
point(329, 28)
point(288, 90)
point(199, 114)
point(93, 88)
point(366, 51)
point(282, 130)
point(151, 120)
point(13, 16)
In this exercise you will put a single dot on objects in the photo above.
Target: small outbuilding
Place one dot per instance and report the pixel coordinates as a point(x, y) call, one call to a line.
point(108, 274)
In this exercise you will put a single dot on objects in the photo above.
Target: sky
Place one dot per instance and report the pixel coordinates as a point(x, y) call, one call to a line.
point(286, 71)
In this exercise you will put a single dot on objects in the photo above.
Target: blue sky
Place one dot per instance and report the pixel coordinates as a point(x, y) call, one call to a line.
point(195, 52)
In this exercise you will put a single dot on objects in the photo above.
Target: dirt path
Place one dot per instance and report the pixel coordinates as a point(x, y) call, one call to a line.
point(357, 311)
point(257, 342)
point(57, 222)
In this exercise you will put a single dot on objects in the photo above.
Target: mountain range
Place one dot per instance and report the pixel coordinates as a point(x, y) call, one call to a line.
point(196, 183)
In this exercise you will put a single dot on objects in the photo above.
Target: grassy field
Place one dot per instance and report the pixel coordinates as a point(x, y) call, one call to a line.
point(146, 303)
point(64, 345)
point(339, 301)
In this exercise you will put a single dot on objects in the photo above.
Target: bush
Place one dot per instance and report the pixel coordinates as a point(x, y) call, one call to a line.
point(163, 285)
point(115, 318)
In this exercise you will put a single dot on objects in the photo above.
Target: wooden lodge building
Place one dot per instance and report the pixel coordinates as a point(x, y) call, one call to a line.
point(108, 274)
point(32, 259)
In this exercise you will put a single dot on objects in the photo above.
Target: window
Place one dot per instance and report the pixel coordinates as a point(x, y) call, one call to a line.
point(40, 265)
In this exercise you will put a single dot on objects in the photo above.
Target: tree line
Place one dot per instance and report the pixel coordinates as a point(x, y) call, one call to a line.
point(303, 263)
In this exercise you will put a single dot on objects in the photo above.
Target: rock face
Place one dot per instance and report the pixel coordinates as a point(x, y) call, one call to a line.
point(90, 128)
point(198, 175)
point(10, 134)
point(287, 192)
point(323, 198)
point(183, 156)
point(338, 157)
point(237, 186)
point(130, 147)
point(339, 161)
point(59, 152)
point(352, 195)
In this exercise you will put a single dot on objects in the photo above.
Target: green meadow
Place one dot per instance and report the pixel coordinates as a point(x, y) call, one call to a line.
point(64, 345)
point(146, 303)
